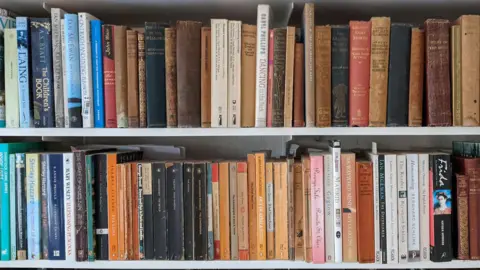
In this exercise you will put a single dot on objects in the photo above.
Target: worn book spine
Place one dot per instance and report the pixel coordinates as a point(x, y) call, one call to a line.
point(171, 75)
point(129, 212)
point(270, 78)
point(269, 194)
point(206, 81)
point(308, 28)
point(12, 116)
point(234, 73)
point(260, 205)
point(56, 221)
point(317, 208)
point(188, 211)
point(391, 208)
point(248, 69)
point(349, 206)
point(21, 210)
point(340, 76)
point(101, 208)
point(42, 72)
point(23, 45)
point(155, 74)
point(424, 206)
point(417, 70)
point(402, 209)
point(148, 227)
point(109, 76)
point(113, 211)
point(57, 15)
point(380, 47)
point(135, 212)
point(233, 210)
point(263, 26)
point(413, 208)
point(307, 223)
point(278, 90)
point(365, 226)
point(456, 73)
point(219, 72)
point(32, 191)
point(69, 207)
point(252, 208)
point(89, 169)
point(97, 74)
point(224, 210)
point(80, 206)
point(159, 192)
point(211, 253)
point(142, 88)
point(359, 73)
point(121, 87)
point(438, 93)
point(463, 243)
point(323, 76)
point(298, 91)
point(298, 198)
point(44, 171)
point(242, 210)
point(290, 208)
point(132, 78)
point(216, 211)
point(200, 210)
point(175, 210)
point(289, 69)
point(85, 45)
point(188, 73)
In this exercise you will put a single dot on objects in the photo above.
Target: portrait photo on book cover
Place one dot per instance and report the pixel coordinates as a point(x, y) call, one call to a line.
point(442, 202)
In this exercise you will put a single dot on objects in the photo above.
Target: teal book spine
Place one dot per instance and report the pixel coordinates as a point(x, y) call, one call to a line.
point(13, 207)
point(90, 212)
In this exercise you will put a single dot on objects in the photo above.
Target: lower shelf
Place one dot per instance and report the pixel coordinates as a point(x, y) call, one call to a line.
point(229, 265)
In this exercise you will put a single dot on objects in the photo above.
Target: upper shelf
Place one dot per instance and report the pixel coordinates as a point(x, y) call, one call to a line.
point(222, 132)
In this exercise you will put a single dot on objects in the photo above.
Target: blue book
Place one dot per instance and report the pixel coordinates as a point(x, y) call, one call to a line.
point(97, 72)
point(209, 208)
point(33, 206)
point(72, 55)
point(23, 45)
point(56, 222)
point(42, 72)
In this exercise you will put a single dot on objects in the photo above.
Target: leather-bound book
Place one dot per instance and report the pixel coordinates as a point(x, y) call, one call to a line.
point(171, 75)
point(278, 91)
point(438, 93)
point(398, 75)
point(249, 45)
point(121, 89)
point(206, 71)
point(109, 76)
point(417, 70)
point(456, 71)
point(323, 77)
point(359, 73)
point(365, 221)
point(142, 90)
point(462, 251)
point(340, 58)
point(289, 65)
point(298, 92)
point(188, 73)
point(132, 78)
point(271, 35)
point(308, 29)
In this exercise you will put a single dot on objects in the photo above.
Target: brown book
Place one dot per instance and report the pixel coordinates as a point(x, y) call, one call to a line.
point(291, 208)
point(242, 210)
point(298, 197)
point(260, 206)
point(308, 24)
point(298, 91)
point(278, 89)
point(307, 223)
point(438, 94)
point(365, 206)
point(417, 68)
point(249, 45)
point(132, 78)
point(456, 71)
point(289, 69)
point(206, 71)
point(323, 78)
point(121, 192)
point(129, 206)
point(252, 209)
point(349, 205)
point(269, 193)
point(224, 194)
point(121, 89)
point(379, 71)
point(463, 242)
point(281, 209)
point(135, 219)
point(188, 73)
point(171, 75)
point(142, 94)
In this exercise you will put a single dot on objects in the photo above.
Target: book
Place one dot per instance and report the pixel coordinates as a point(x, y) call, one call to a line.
point(135, 215)
point(233, 210)
point(456, 73)
point(402, 208)
point(13, 208)
point(424, 205)
point(171, 75)
point(142, 88)
point(242, 210)
point(334, 147)
point(32, 194)
point(280, 184)
point(44, 174)
point(129, 211)
point(391, 207)
point(64, 74)
point(260, 206)
point(298, 197)
point(289, 69)
point(252, 206)
point(307, 223)
point(132, 78)
point(69, 206)
point(374, 158)
point(270, 217)
point(200, 210)
point(97, 73)
point(206, 80)
point(329, 212)
point(278, 84)
point(263, 26)
point(12, 114)
point(141, 220)
point(290, 178)
point(23, 51)
point(382, 209)
point(340, 75)
point(463, 243)
point(248, 73)
point(365, 211)
point(188, 211)
point(224, 209)
point(349, 207)
point(413, 206)
point(317, 207)
point(57, 14)
point(121, 211)
point(216, 210)
point(323, 76)
point(159, 194)
point(270, 77)
point(308, 29)
point(175, 210)
point(210, 245)
point(101, 208)
point(21, 206)
point(234, 93)
point(220, 68)
point(417, 61)
point(298, 91)
point(121, 88)
point(148, 215)
point(56, 220)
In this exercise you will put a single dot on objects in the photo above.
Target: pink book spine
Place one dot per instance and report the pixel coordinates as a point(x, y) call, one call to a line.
point(317, 209)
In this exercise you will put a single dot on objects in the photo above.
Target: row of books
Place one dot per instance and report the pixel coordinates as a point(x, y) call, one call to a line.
point(74, 71)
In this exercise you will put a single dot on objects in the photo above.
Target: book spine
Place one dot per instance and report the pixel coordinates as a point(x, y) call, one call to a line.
point(270, 204)
point(424, 206)
point(132, 79)
point(365, 209)
point(141, 220)
point(233, 211)
point(242, 210)
point(64, 75)
point(45, 174)
point(206, 74)
point(159, 211)
point(402, 209)
point(278, 89)
point(89, 163)
point(271, 35)
point(463, 248)
point(391, 208)
point(148, 226)
point(57, 15)
point(85, 45)
point(317, 209)
point(376, 204)
point(349, 199)
point(13, 208)
point(210, 217)
point(224, 210)
point(121, 199)
point(234, 73)
point(298, 91)
point(337, 195)
point(69, 207)
point(219, 73)
point(2, 80)
point(308, 25)
point(260, 228)
point(413, 208)
point(359, 73)
point(382, 208)
point(74, 92)
point(252, 207)
point(142, 94)
point(290, 185)
point(101, 208)
point(329, 212)
point(200, 214)
point(12, 116)
point(80, 210)
point(32, 192)
point(380, 47)
point(289, 70)
point(5, 202)
point(175, 210)
point(109, 76)
point(281, 214)
point(129, 212)
point(112, 203)
point(263, 26)
point(298, 194)
point(340, 76)
point(248, 73)
point(56, 222)
point(97, 73)
point(121, 88)
point(171, 75)
point(188, 211)
point(21, 210)
point(216, 211)
point(23, 48)
point(323, 78)
point(307, 204)
point(417, 69)
point(135, 244)
point(456, 73)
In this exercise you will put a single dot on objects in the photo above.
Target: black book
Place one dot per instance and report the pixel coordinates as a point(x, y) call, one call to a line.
point(175, 210)
point(188, 207)
point(340, 75)
point(148, 210)
point(399, 75)
point(382, 207)
point(160, 232)
point(101, 206)
point(201, 212)
point(21, 211)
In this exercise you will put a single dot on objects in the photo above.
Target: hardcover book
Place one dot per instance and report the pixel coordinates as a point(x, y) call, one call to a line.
point(206, 73)
point(289, 71)
point(298, 91)
point(278, 87)
point(308, 29)
point(121, 88)
point(340, 75)
point(417, 70)
point(57, 15)
point(109, 75)
point(323, 76)
point(142, 88)
point(132, 79)
point(248, 73)
point(171, 75)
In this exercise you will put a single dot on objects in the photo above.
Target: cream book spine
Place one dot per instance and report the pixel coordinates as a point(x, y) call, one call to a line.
point(12, 112)
point(219, 72)
point(261, 79)
point(234, 73)
point(424, 206)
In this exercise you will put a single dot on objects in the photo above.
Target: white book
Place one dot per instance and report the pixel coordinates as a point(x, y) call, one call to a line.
point(308, 26)
point(57, 16)
point(12, 111)
point(261, 78)
point(64, 75)
point(335, 151)
point(13, 208)
point(219, 72)
point(69, 206)
point(402, 209)
point(329, 216)
point(413, 208)
point(234, 72)
point(376, 205)
point(391, 207)
point(424, 205)
point(85, 45)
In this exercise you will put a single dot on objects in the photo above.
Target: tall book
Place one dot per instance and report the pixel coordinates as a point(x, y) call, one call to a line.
point(159, 192)
point(329, 212)
point(413, 208)
point(121, 88)
point(249, 45)
point(359, 73)
point(365, 209)
point(56, 221)
point(32, 189)
point(307, 223)
point(349, 206)
point(263, 26)
point(200, 210)
point(89, 206)
point(380, 46)
point(270, 220)
point(281, 211)
point(382, 207)
point(148, 215)
point(233, 210)
point(141, 220)
point(12, 114)
point(135, 215)
point(270, 77)
point(334, 147)
point(171, 75)
point(206, 73)
point(109, 76)
point(424, 205)
point(188, 211)
point(252, 207)
point(220, 67)
point(373, 157)
point(391, 207)
point(298, 91)
point(69, 207)
point(188, 73)
point(308, 28)
point(289, 70)
point(23, 51)
point(216, 211)
point(402, 208)
point(298, 198)
point(142, 88)
point(224, 209)
point(132, 78)
point(417, 69)
point(44, 216)
point(317, 208)
point(323, 76)
point(175, 210)
point(438, 93)
point(291, 207)
point(234, 74)
point(64, 74)
point(463, 243)
point(340, 75)
point(57, 15)
point(101, 208)
point(260, 206)
point(21, 206)
point(456, 71)
point(278, 87)
point(211, 253)
point(13, 208)
point(97, 74)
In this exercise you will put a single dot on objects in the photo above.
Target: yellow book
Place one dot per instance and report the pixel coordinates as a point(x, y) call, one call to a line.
point(281, 210)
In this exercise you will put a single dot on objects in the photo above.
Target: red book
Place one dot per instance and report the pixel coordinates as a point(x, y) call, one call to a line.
point(359, 73)
point(270, 79)
point(216, 211)
point(109, 76)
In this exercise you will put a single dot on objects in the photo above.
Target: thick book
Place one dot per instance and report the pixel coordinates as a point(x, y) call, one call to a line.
point(55, 204)
point(234, 73)
point(57, 15)
point(359, 73)
point(349, 207)
point(121, 88)
point(398, 75)
point(97, 73)
point(21, 206)
point(289, 70)
point(278, 88)
point(23, 52)
point(308, 29)
point(298, 198)
point(32, 194)
point(340, 75)
point(307, 223)
point(413, 206)
point(232, 182)
point(171, 75)
point(438, 92)
point(159, 191)
point(210, 251)
point(188, 212)
point(402, 208)
point(462, 211)
point(12, 114)
point(248, 73)
point(263, 26)
point(148, 215)
point(175, 210)
point(142, 88)
point(224, 209)
point(270, 221)
point(206, 74)
point(323, 76)
point(365, 209)
point(298, 91)
point(317, 207)
point(242, 210)
point(456, 73)
point(220, 68)
point(200, 210)
point(416, 85)
point(69, 206)
point(252, 208)
point(109, 76)
point(188, 73)
point(132, 79)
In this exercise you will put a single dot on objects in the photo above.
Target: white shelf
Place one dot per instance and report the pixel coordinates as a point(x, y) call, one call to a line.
point(229, 265)
point(222, 132)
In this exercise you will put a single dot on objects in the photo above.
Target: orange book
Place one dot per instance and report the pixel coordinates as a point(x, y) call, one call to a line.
point(260, 206)
point(112, 206)
point(281, 210)
point(135, 231)
point(242, 210)
point(298, 199)
point(129, 211)
point(252, 206)
point(365, 208)
point(223, 183)
point(349, 205)
point(307, 223)
point(121, 207)
point(269, 207)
